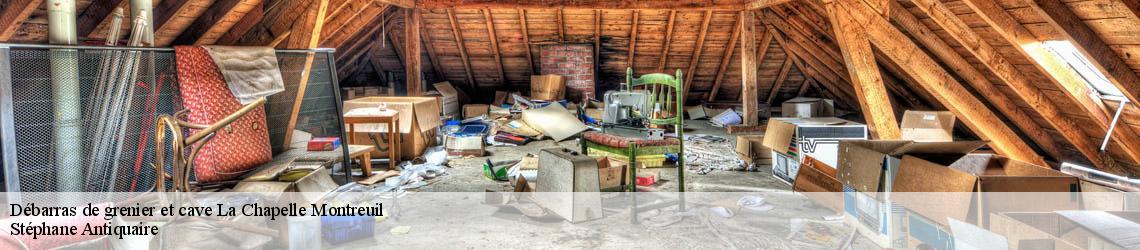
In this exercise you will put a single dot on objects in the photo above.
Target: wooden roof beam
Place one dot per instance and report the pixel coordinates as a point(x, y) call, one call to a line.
point(243, 25)
point(1062, 75)
point(668, 41)
point(344, 14)
point(368, 14)
point(14, 14)
point(697, 53)
point(97, 14)
point(277, 24)
point(632, 39)
point(760, 4)
point(406, 4)
point(432, 58)
point(166, 27)
point(865, 76)
point(813, 67)
point(1010, 75)
point(461, 47)
point(561, 26)
point(526, 40)
point(494, 39)
point(779, 81)
point(216, 21)
point(725, 59)
point(749, 65)
point(971, 111)
point(584, 4)
point(412, 51)
point(305, 34)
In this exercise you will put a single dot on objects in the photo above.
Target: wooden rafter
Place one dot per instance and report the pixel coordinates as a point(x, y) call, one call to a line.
point(865, 77)
point(558, 21)
point(765, 42)
point(725, 59)
point(633, 39)
point(813, 45)
point(597, 43)
point(749, 64)
point(833, 81)
point(931, 76)
point(14, 14)
point(1089, 43)
point(583, 4)
point(369, 13)
point(463, 48)
point(697, 53)
point(346, 13)
point(276, 26)
point(166, 19)
point(429, 45)
point(1005, 71)
point(804, 86)
point(494, 39)
point(668, 41)
point(243, 25)
point(217, 20)
point(779, 81)
point(760, 4)
point(406, 4)
point(351, 53)
point(526, 40)
point(96, 14)
point(412, 51)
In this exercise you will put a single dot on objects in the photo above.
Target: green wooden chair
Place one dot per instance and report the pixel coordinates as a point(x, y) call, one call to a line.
point(666, 93)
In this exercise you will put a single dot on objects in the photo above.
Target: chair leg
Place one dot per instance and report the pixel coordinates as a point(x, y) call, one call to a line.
point(633, 182)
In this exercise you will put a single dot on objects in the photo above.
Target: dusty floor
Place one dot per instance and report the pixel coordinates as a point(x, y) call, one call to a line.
point(465, 174)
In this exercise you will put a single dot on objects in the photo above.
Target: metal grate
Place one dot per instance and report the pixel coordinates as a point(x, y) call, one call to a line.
point(46, 161)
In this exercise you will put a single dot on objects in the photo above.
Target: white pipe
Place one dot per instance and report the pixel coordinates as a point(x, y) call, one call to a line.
point(146, 8)
point(66, 96)
point(1102, 178)
point(1115, 119)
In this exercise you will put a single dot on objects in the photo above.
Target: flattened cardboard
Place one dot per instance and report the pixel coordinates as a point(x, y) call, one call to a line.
point(547, 87)
point(927, 126)
point(751, 147)
point(554, 121)
point(473, 110)
point(696, 112)
point(815, 183)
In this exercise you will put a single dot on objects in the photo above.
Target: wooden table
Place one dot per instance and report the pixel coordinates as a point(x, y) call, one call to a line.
point(390, 119)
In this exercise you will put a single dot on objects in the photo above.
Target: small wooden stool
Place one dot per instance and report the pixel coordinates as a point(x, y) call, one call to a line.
point(390, 119)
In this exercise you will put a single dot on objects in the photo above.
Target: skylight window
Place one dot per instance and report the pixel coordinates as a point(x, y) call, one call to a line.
point(1083, 67)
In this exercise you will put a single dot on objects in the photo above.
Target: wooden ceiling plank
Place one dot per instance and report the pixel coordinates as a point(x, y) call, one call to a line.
point(461, 47)
point(98, 12)
point(243, 26)
point(668, 41)
point(597, 44)
point(760, 4)
point(166, 14)
point(697, 53)
point(494, 39)
point(804, 86)
point(931, 76)
point(749, 63)
point(725, 59)
point(561, 26)
point(14, 14)
point(356, 24)
point(406, 4)
point(1062, 75)
point(209, 26)
point(632, 39)
point(343, 15)
point(865, 77)
point(779, 81)
point(526, 40)
point(429, 45)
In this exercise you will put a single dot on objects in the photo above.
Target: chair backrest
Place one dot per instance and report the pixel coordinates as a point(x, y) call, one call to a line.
point(665, 94)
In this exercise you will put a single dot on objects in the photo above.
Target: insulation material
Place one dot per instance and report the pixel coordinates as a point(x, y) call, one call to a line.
point(554, 121)
point(704, 155)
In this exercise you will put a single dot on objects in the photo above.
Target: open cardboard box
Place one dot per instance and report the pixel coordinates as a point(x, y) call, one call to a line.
point(419, 118)
point(1068, 229)
point(927, 126)
point(817, 181)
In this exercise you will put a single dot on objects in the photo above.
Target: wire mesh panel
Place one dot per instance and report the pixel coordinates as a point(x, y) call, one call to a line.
point(84, 118)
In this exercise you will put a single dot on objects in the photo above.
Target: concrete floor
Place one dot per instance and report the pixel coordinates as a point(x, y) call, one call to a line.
point(465, 174)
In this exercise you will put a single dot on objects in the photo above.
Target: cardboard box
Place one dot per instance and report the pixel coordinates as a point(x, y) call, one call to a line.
point(795, 138)
point(595, 113)
point(473, 110)
point(419, 118)
point(817, 182)
point(803, 107)
point(312, 186)
point(696, 112)
point(464, 145)
point(449, 100)
point(751, 149)
point(871, 165)
point(927, 126)
point(1068, 230)
point(547, 87)
point(610, 174)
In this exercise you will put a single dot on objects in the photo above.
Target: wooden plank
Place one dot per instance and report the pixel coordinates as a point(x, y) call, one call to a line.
point(412, 65)
point(14, 14)
point(697, 53)
point(352, 53)
point(632, 39)
point(804, 86)
point(1005, 71)
point(584, 4)
point(171, 19)
point(98, 12)
point(277, 24)
point(491, 35)
point(219, 18)
point(864, 73)
point(305, 34)
point(749, 64)
point(765, 42)
point(1089, 43)
point(779, 81)
point(760, 4)
point(725, 59)
point(597, 46)
point(244, 25)
point(813, 68)
point(357, 23)
point(399, 3)
point(668, 42)
point(432, 58)
point(561, 27)
point(526, 41)
point(1062, 75)
point(341, 16)
point(463, 48)
point(931, 76)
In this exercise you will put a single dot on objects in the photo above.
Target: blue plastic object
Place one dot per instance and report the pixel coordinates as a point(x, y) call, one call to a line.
point(340, 229)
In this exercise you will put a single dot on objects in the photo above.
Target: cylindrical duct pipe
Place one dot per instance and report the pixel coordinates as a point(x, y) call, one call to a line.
point(147, 6)
point(67, 135)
